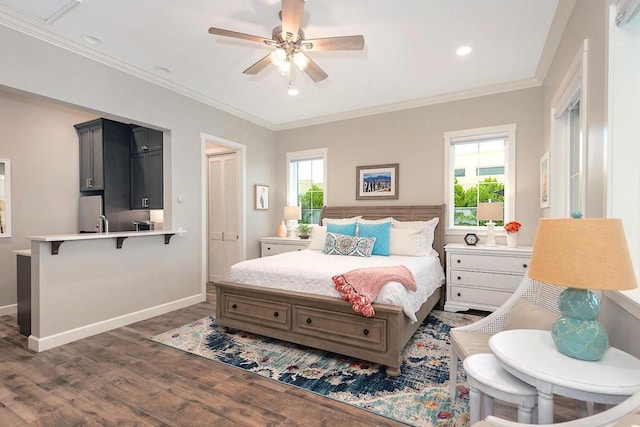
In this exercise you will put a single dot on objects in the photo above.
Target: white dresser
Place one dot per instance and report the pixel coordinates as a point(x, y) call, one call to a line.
point(277, 245)
point(483, 277)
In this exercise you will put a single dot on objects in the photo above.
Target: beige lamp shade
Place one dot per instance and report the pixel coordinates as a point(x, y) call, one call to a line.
point(587, 253)
point(490, 211)
point(292, 212)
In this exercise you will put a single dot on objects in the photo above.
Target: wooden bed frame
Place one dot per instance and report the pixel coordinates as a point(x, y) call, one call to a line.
point(329, 323)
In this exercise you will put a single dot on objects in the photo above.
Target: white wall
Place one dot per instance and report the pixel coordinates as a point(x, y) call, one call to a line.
point(40, 69)
point(414, 139)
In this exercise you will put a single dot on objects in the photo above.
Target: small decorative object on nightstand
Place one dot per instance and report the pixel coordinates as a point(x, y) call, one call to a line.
point(471, 239)
point(292, 214)
point(483, 277)
point(304, 230)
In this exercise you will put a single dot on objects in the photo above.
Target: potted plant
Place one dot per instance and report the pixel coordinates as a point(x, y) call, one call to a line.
point(304, 230)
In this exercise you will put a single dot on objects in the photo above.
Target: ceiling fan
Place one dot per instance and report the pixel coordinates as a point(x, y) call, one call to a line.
point(290, 44)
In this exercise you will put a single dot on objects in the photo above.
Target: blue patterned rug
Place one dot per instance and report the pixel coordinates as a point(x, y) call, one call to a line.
point(418, 397)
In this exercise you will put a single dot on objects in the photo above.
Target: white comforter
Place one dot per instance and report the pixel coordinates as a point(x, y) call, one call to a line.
point(311, 272)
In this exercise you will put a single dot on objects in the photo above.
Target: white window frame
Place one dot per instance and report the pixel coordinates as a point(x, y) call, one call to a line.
point(507, 131)
point(294, 156)
point(572, 89)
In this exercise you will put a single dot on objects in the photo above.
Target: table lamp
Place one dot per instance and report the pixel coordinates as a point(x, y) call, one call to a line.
point(581, 254)
point(488, 212)
point(292, 213)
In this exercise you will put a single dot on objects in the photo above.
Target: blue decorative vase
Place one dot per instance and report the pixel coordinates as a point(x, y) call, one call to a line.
point(577, 333)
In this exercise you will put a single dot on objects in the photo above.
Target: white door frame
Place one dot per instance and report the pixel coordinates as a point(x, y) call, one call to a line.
point(241, 158)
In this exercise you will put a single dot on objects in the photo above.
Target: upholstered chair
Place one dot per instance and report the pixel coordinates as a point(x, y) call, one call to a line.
point(533, 305)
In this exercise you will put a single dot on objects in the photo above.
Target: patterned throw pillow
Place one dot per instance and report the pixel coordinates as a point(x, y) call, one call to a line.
point(340, 244)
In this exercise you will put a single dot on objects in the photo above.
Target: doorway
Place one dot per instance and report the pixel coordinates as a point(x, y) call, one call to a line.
point(223, 243)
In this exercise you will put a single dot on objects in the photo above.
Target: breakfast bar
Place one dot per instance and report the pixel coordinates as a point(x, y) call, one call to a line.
point(84, 284)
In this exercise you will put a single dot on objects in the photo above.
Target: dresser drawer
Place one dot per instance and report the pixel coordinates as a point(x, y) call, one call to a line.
point(479, 296)
point(279, 248)
point(506, 264)
point(340, 328)
point(499, 281)
point(258, 311)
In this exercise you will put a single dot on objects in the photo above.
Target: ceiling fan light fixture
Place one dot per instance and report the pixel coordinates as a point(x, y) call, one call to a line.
point(278, 56)
point(301, 60)
point(285, 67)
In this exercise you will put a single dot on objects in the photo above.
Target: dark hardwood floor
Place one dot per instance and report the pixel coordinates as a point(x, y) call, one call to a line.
point(120, 378)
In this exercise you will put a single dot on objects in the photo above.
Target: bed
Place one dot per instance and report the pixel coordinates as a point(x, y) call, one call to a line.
point(329, 322)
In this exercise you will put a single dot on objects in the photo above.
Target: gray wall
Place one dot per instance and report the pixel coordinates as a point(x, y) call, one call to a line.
point(64, 78)
point(414, 139)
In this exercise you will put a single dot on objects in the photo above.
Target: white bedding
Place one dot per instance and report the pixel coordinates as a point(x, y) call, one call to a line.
point(311, 272)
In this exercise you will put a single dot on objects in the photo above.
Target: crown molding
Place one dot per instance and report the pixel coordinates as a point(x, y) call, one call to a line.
point(414, 103)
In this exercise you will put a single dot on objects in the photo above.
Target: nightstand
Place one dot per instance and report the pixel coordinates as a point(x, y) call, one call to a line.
point(277, 245)
point(483, 277)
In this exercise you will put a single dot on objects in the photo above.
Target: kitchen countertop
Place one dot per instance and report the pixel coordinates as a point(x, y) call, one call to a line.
point(95, 236)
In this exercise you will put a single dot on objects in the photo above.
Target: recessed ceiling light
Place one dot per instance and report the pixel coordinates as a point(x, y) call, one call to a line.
point(293, 91)
point(161, 70)
point(91, 39)
point(463, 50)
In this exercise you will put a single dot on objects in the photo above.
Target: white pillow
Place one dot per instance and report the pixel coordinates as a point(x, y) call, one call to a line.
point(353, 220)
point(428, 228)
point(318, 236)
point(375, 221)
point(406, 241)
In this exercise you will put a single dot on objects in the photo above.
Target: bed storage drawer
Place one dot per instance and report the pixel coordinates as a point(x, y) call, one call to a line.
point(341, 328)
point(261, 312)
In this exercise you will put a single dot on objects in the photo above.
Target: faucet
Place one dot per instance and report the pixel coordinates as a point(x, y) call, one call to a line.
point(103, 219)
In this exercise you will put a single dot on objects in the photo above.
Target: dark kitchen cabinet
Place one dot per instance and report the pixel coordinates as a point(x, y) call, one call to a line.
point(146, 169)
point(105, 170)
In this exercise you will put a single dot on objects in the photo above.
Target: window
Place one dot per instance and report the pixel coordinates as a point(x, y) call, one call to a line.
point(306, 182)
point(480, 168)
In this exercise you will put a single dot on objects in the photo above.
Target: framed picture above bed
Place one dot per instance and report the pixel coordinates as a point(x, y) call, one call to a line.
point(377, 182)
point(262, 197)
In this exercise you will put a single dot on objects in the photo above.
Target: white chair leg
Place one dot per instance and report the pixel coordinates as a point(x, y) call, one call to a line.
point(474, 404)
point(453, 374)
point(487, 405)
point(524, 414)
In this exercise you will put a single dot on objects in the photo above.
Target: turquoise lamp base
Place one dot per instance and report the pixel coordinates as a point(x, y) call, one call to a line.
point(577, 333)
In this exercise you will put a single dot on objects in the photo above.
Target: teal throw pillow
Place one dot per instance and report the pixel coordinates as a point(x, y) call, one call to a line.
point(381, 232)
point(346, 229)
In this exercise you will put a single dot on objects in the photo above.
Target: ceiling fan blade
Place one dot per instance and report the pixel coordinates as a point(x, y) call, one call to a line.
point(291, 17)
point(316, 73)
point(236, 35)
point(258, 66)
point(334, 43)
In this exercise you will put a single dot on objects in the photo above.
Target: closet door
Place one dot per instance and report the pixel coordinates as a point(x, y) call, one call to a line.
point(224, 243)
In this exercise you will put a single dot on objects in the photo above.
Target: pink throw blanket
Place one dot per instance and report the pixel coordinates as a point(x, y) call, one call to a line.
point(361, 286)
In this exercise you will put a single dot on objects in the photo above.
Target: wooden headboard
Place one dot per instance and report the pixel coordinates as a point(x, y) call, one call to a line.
point(401, 213)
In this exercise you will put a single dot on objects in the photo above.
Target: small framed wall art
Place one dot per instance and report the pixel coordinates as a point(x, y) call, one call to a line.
point(377, 182)
point(262, 197)
point(544, 180)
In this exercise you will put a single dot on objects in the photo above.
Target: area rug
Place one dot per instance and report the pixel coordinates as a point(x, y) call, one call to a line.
point(419, 396)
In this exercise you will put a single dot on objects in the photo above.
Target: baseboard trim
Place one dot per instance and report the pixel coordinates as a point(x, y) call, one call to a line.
point(5, 310)
point(45, 343)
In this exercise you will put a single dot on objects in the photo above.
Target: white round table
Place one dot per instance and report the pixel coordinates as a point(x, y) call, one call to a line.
point(531, 356)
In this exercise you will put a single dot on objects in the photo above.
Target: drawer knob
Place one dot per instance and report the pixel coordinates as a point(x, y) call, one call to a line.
point(234, 306)
point(459, 294)
point(525, 265)
point(268, 248)
point(276, 314)
point(366, 332)
point(308, 320)
point(459, 278)
point(458, 261)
